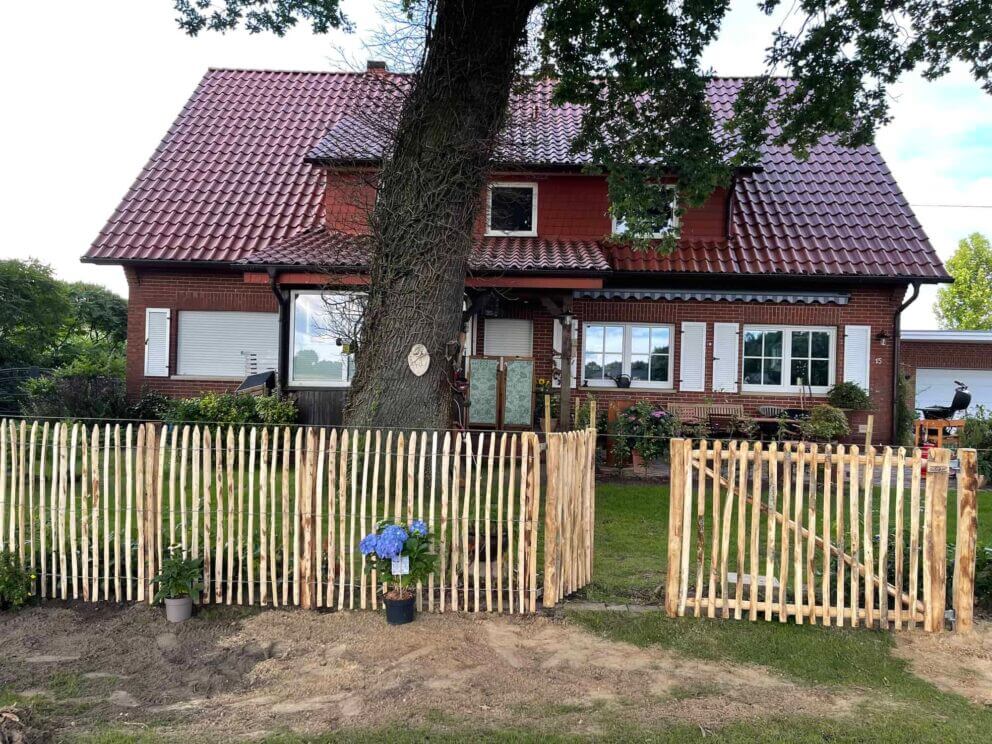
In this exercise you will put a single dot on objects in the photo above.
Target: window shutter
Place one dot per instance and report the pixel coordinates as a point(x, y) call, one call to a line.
point(556, 345)
point(157, 342)
point(214, 343)
point(508, 337)
point(725, 350)
point(857, 349)
point(692, 361)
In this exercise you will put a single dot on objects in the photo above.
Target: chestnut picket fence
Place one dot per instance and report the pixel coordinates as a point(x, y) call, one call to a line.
point(277, 513)
point(818, 534)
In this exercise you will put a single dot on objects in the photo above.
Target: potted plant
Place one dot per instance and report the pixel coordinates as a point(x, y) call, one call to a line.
point(642, 432)
point(402, 558)
point(178, 582)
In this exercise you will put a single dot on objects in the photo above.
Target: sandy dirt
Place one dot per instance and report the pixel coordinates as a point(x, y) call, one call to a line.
point(234, 674)
point(954, 662)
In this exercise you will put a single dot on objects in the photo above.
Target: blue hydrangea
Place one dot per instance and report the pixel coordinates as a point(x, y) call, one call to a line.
point(419, 528)
point(395, 532)
point(368, 544)
point(388, 547)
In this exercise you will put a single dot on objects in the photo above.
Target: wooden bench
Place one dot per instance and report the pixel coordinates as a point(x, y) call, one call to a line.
point(700, 412)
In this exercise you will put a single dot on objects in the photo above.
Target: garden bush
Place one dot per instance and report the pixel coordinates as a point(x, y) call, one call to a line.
point(75, 396)
point(645, 427)
point(15, 582)
point(232, 408)
point(977, 433)
point(825, 424)
point(849, 395)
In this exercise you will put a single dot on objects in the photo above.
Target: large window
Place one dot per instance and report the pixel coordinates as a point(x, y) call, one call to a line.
point(324, 332)
point(664, 218)
point(783, 359)
point(512, 209)
point(644, 352)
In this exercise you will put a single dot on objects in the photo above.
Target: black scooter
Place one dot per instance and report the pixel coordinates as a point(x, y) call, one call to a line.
point(960, 403)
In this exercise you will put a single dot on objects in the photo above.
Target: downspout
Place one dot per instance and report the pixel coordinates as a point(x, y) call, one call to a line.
point(282, 369)
point(897, 343)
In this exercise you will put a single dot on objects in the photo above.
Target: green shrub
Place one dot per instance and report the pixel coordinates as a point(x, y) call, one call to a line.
point(231, 408)
point(179, 577)
point(849, 395)
point(15, 582)
point(75, 396)
point(825, 424)
point(977, 433)
point(645, 427)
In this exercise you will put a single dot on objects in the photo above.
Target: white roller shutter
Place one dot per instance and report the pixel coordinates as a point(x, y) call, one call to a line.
point(857, 354)
point(692, 359)
point(226, 344)
point(725, 351)
point(508, 337)
point(157, 342)
point(556, 343)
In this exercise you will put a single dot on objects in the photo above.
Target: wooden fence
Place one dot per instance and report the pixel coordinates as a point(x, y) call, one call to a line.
point(277, 513)
point(817, 534)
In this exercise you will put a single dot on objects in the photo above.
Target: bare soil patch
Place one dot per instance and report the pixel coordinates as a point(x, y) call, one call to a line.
point(954, 662)
point(233, 673)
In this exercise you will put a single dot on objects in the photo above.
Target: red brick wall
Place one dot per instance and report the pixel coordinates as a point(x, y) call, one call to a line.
point(206, 289)
point(914, 355)
point(874, 307)
point(568, 207)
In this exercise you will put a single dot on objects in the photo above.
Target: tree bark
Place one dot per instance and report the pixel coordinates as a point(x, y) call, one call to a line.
point(428, 200)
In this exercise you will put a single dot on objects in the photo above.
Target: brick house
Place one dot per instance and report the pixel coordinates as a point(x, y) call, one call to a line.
point(241, 240)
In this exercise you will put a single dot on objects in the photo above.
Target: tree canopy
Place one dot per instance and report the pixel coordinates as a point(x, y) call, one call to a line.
point(966, 305)
point(50, 323)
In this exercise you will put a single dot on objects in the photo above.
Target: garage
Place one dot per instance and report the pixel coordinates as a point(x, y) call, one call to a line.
point(935, 359)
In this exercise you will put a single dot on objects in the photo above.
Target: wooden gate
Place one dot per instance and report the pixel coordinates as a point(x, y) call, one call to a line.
point(817, 534)
point(569, 515)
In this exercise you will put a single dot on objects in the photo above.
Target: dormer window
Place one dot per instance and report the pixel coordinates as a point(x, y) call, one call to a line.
point(666, 218)
point(512, 209)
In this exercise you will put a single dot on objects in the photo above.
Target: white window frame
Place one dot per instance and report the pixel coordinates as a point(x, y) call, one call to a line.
point(292, 382)
point(532, 185)
point(675, 216)
point(625, 358)
point(787, 331)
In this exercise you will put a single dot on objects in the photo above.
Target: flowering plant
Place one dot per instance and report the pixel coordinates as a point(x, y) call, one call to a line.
point(395, 541)
point(646, 427)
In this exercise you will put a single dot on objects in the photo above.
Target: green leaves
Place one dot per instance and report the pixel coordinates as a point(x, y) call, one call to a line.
point(179, 577)
point(277, 16)
point(966, 305)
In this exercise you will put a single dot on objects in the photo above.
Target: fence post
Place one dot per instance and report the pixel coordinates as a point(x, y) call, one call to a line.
point(935, 540)
point(676, 497)
point(964, 544)
point(551, 525)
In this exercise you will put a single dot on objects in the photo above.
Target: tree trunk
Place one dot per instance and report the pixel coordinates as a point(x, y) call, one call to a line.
point(428, 200)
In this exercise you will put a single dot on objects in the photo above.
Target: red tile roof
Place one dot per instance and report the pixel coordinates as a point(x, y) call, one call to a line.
point(319, 247)
point(230, 181)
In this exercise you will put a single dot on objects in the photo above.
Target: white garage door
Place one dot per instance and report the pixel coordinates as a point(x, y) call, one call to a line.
point(935, 387)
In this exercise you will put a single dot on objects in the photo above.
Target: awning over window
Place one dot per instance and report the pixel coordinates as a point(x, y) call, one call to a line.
point(788, 298)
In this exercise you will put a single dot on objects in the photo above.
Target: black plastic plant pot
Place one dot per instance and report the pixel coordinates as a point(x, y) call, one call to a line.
point(400, 611)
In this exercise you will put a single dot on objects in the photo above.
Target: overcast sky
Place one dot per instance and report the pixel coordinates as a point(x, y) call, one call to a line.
point(90, 87)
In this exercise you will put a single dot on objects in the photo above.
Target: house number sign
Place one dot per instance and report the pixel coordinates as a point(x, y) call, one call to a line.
point(419, 359)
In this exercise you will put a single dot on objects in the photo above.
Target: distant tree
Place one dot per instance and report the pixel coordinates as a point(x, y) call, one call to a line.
point(635, 66)
point(35, 308)
point(966, 305)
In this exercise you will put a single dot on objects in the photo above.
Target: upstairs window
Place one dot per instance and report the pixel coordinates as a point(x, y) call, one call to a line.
point(664, 220)
point(512, 209)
